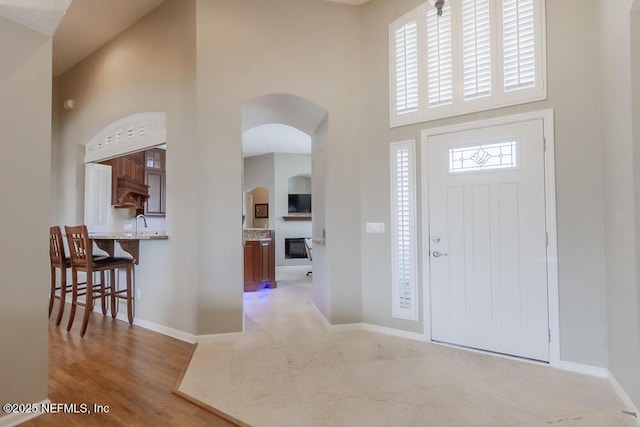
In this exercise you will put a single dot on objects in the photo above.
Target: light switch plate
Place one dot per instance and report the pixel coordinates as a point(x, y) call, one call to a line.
point(375, 227)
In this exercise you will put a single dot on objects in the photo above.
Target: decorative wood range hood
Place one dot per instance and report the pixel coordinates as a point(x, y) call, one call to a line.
point(128, 189)
point(130, 194)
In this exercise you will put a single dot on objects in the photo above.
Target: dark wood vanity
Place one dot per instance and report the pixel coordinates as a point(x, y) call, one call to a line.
point(259, 260)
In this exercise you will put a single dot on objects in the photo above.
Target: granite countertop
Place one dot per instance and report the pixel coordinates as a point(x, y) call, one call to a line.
point(253, 234)
point(147, 235)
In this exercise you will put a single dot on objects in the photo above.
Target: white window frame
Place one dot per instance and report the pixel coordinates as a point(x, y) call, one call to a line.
point(419, 16)
point(498, 98)
point(404, 273)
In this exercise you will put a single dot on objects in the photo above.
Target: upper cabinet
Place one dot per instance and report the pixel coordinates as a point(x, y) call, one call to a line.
point(128, 188)
point(155, 178)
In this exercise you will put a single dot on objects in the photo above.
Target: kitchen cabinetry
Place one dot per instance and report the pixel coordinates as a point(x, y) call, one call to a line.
point(260, 263)
point(128, 188)
point(155, 178)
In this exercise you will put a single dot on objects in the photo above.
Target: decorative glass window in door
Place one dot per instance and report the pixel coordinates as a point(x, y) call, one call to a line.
point(499, 155)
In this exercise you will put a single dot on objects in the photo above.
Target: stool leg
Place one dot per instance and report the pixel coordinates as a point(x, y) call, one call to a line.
point(52, 295)
point(63, 294)
point(74, 298)
point(114, 303)
point(103, 294)
point(88, 304)
point(130, 294)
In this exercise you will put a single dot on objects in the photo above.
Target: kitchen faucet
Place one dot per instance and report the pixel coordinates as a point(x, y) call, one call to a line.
point(144, 219)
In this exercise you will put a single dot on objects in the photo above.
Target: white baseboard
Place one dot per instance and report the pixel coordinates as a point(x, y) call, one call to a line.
point(201, 339)
point(11, 420)
point(161, 329)
point(325, 322)
point(175, 333)
point(371, 328)
point(622, 394)
point(579, 368)
point(395, 332)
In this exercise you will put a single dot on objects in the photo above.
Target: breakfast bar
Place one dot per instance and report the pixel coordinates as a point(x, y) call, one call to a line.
point(129, 242)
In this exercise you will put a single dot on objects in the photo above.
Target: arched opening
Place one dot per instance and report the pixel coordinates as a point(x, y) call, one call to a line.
point(254, 208)
point(284, 141)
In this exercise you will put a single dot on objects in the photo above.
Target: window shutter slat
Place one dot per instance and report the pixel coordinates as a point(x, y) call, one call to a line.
point(439, 58)
point(406, 69)
point(519, 44)
point(476, 49)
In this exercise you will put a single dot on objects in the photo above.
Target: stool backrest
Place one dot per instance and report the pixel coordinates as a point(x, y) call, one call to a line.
point(80, 246)
point(56, 246)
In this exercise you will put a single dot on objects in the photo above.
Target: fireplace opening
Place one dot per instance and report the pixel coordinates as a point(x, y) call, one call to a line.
point(294, 248)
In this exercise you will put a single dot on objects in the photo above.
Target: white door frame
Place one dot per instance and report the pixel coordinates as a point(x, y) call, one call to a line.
point(550, 216)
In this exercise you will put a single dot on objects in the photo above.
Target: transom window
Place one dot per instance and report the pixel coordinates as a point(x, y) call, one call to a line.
point(479, 55)
point(488, 156)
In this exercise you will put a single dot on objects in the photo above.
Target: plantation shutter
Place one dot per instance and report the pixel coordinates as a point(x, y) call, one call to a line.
point(478, 55)
point(476, 49)
point(97, 197)
point(518, 44)
point(439, 58)
point(406, 68)
point(403, 231)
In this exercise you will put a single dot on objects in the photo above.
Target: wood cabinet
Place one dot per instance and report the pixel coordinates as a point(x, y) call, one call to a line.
point(260, 264)
point(128, 188)
point(155, 178)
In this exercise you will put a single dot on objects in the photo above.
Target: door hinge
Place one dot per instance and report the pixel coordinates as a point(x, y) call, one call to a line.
point(549, 335)
point(544, 144)
point(546, 239)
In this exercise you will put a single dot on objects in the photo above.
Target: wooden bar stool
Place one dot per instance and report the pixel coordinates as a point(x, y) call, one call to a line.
point(59, 261)
point(82, 260)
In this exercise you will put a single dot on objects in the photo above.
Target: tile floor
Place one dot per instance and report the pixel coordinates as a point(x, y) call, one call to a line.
point(289, 369)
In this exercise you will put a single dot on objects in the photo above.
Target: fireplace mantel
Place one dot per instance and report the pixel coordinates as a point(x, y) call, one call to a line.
point(297, 218)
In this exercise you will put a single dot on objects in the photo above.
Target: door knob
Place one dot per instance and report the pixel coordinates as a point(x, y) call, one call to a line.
point(438, 254)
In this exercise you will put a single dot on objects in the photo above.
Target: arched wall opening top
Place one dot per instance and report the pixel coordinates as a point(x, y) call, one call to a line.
point(127, 135)
point(286, 109)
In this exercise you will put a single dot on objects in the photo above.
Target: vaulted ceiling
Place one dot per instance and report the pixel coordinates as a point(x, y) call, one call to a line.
point(76, 33)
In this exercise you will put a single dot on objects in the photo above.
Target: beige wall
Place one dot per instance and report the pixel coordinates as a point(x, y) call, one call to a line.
point(296, 47)
point(620, 42)
point(573, 81)
point(149, 67)
point(246, 49)
point(25, 120)
point(634, 318)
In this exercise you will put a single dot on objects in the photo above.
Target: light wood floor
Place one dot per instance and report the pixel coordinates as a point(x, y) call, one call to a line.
point(129, 368)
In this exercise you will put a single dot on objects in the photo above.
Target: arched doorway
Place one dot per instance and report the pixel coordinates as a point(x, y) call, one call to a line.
point(302, 122)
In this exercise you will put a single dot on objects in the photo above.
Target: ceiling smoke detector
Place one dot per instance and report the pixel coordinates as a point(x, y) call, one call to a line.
point(438, 4)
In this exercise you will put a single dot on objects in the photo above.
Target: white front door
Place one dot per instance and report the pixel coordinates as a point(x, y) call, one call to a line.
point(488, 239)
